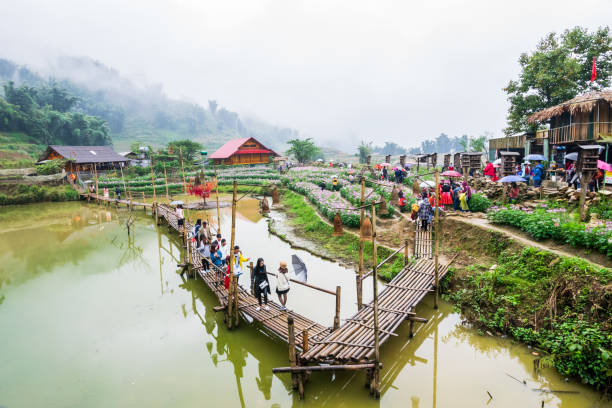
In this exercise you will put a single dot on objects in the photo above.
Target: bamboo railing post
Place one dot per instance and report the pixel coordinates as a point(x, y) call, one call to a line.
point(337, 315)
point(166, 179)
point(405, 251)
point(217, 194)
point(376, 373)
point(291, 339)
point(437, 241)
point(251, 276)
point(234, 280)
point(361, 245)
point(144, 207)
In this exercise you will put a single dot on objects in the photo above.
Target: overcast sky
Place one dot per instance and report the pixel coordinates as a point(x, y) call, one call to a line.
point(337, 71)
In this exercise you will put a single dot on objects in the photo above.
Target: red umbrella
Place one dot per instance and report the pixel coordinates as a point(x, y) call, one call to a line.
point(603, 165)
point(451, 173)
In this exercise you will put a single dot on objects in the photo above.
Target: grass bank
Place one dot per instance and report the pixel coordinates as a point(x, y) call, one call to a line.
point(24, 194)
point(305, 219)
point(560, 305)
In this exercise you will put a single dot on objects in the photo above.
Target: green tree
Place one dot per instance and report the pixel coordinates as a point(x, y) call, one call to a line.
point(478, 144)
point(558, 70)
point(364, 150)
point(189, 148)
point(303, 149)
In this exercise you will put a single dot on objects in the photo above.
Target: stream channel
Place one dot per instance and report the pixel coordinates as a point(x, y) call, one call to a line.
point(92, 318)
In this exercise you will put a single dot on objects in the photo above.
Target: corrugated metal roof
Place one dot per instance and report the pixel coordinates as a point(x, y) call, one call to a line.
point(86, 154)
point(232, 146)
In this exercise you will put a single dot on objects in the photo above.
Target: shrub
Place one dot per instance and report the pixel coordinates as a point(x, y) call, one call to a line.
point(479, 203)
point(50, 167)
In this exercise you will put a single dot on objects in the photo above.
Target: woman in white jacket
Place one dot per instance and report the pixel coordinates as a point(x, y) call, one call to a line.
point(282, 284)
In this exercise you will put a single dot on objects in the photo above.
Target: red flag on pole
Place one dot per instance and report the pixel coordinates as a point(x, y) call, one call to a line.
point(593, 71)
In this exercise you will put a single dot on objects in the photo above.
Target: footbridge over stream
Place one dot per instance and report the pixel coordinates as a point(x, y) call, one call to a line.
point(313, 346)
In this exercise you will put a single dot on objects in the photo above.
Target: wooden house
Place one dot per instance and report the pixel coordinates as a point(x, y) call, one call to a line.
point(584, 119)
point(84, 158)
point(245, 150)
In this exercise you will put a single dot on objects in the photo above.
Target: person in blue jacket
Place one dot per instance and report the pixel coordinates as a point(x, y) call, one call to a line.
point(538, 174)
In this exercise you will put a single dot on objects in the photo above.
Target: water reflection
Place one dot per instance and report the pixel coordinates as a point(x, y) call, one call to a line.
point(96, 330)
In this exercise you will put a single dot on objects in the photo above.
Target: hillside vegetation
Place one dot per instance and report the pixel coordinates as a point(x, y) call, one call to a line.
point(82, 101)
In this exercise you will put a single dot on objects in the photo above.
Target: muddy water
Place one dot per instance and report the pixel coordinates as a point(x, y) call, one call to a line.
point(92, 317)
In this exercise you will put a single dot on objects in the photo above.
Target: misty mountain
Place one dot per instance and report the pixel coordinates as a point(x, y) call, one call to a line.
point(142, 112)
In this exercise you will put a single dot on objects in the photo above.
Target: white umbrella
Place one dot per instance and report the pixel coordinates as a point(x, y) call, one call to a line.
point(571, 156)
point(427, 184)
point(498, 161)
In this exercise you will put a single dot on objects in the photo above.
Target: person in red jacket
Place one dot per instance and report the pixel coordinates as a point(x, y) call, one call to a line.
point(489, 170)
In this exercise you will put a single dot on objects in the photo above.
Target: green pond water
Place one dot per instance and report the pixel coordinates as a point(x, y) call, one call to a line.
point(90, 317)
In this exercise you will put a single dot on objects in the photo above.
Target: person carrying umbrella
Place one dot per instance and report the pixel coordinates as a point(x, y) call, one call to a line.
point(527, 172)
point(514, 192)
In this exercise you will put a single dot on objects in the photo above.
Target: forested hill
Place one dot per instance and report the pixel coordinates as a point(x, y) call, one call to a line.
point(89, 89)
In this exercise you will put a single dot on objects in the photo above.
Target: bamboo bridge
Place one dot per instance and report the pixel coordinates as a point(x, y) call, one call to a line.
point(354, 345)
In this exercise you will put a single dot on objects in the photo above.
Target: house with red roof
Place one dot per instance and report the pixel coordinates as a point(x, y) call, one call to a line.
point(246, 150)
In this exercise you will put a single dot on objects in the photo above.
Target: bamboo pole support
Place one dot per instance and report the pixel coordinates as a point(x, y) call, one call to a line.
point(184, 186)
point(584, 183)
point(305, 345)
point(300, 377)
point(234, 285)
point(217, 194)
point(153, 179)
point(125, 188)
point(437, 242)
point(291, 339)
point(361, 245)
point(337, 315)
point(166, 180)
point(97, 191)
point(405, 251)
point(376, 373)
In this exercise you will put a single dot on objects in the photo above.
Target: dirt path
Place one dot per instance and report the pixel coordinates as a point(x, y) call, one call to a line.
point(594, 258)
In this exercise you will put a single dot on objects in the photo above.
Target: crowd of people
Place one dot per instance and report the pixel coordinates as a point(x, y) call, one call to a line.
point(215, 250)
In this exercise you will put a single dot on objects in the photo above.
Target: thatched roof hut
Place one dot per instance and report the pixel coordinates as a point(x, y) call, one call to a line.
point(581, 104)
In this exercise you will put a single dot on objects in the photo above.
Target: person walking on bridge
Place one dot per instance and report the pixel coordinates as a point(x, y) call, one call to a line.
point(261, 285)
point(282, 284)
point(424, 211)
point(180, 215)
point(238, 259)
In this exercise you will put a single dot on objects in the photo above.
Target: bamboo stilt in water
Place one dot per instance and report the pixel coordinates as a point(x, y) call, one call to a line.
point(166, 180)
point(361, 244)
point(376, 373)
point(217, 194)
point(437, 242)
point(291, 338)
point(337, 315)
